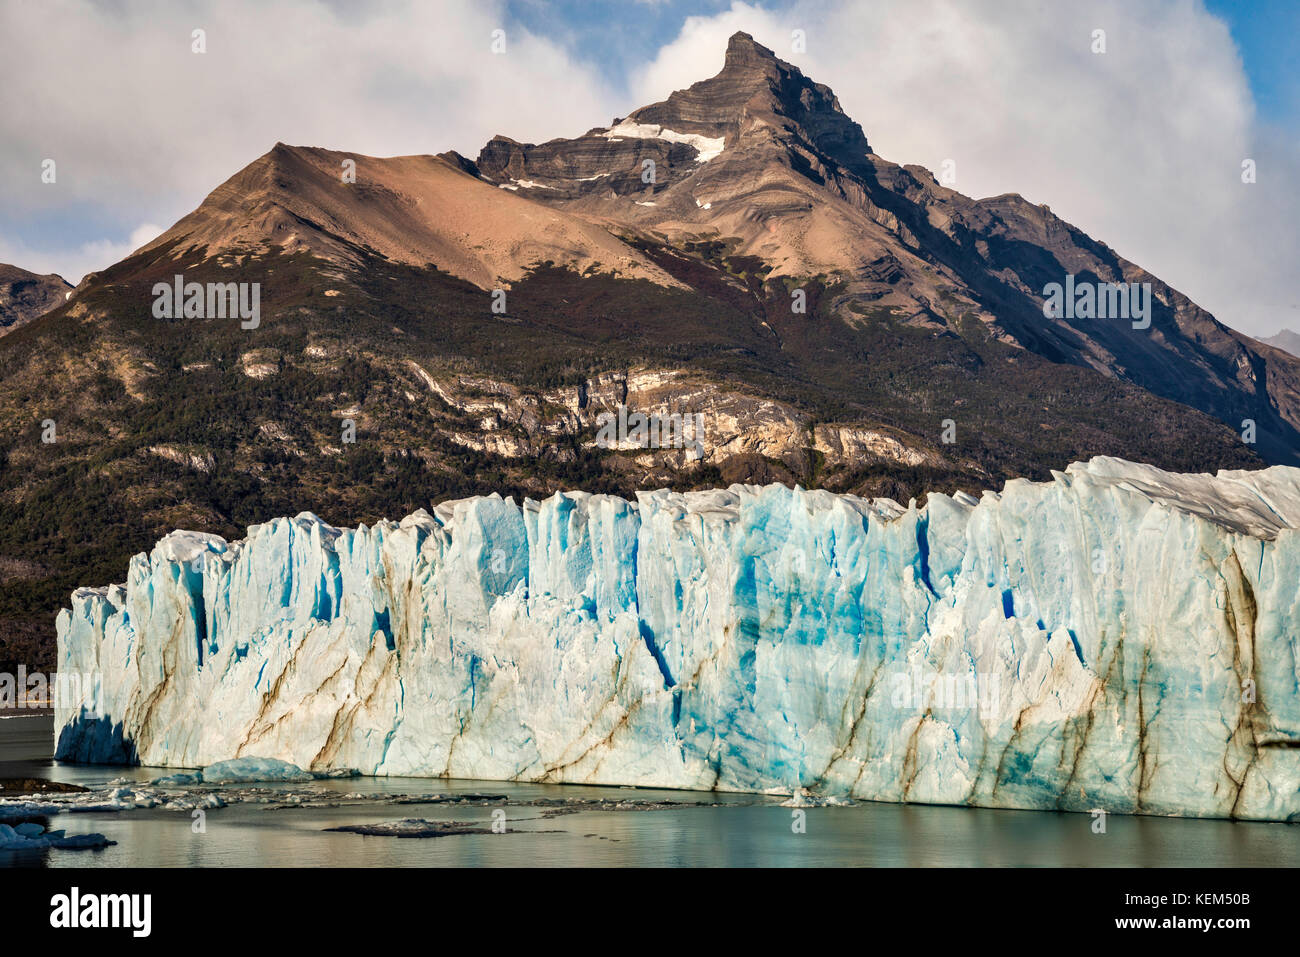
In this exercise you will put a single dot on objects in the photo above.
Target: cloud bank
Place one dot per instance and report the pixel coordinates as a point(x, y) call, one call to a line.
point(1141, 146)
point(142, 128)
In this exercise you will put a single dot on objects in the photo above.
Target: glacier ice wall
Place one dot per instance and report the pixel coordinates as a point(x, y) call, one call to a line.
point(1118, 638)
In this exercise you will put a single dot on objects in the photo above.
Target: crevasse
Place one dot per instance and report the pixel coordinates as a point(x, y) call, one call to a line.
point(1119, 638)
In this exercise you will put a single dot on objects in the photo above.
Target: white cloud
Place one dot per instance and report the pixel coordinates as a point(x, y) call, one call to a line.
point(140, 126)
point(74, 262)
point(1141, 146)
point(106, 251)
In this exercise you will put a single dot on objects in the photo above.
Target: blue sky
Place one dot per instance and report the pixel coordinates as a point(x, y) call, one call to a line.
point(609, 33)
point(1267, 32)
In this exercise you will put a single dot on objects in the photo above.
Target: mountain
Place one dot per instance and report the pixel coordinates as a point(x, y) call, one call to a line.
point(797, 186)
point(445, 326)
point(25, 296)
point(414, 210)
point(1286, 340)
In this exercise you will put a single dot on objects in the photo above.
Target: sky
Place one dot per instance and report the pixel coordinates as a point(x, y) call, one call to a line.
point(1141, 146)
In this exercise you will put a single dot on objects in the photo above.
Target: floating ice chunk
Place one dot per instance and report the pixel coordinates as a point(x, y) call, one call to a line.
point(240, 770)
point(30, 836)
point(179, 779)
point(417, 828)
point(78, 842)
point(334, 773)
point(801, 798)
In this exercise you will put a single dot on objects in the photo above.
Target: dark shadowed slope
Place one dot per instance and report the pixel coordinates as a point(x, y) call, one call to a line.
point(25, 296)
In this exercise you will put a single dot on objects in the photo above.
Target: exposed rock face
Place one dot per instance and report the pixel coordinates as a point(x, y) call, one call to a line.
point(516, 423)
point(763, 163)
point(796, 185)
point(840, 444)
point(25, 296)
point(756, 97)
point(1286, 340)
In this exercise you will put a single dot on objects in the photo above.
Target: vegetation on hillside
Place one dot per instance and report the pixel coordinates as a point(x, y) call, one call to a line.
point(200, 424)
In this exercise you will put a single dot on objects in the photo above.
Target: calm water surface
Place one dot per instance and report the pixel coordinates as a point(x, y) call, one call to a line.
point(746, 830)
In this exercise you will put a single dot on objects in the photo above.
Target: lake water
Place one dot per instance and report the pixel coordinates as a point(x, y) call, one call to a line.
point(550, 825)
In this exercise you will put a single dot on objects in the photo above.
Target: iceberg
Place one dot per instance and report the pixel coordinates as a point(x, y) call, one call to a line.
point(252, 769)
point(29, 836)
point(1118, 638)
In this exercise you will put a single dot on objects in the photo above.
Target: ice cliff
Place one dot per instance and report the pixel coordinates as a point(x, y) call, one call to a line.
point(1119, 638)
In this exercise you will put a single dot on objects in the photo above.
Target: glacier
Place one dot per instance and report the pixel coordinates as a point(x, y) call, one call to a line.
point(1117, 638)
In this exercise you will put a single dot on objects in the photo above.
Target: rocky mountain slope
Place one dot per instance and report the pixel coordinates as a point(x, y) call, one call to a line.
point(1286, 340)
point(764, 158)
point(25, 296)
point(407, 209)
point(437, 326)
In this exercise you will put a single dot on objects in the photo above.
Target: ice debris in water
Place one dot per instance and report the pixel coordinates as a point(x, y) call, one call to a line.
point(241, 770)
point(250, 770)
point(30, 836)
point(802, 798)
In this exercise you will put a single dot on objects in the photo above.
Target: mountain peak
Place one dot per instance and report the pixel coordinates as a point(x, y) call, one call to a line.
point(25, 296)
point(746, 53)
point(1286, 340)
point(759, 112)
point(755, 82)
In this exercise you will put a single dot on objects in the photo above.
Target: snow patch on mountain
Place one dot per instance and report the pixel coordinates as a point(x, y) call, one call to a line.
point(706, 148)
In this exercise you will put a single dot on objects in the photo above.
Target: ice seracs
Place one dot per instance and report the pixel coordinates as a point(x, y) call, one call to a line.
point(1118, 638)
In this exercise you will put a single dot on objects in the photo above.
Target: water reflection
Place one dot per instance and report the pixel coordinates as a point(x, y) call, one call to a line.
point(747, 830)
